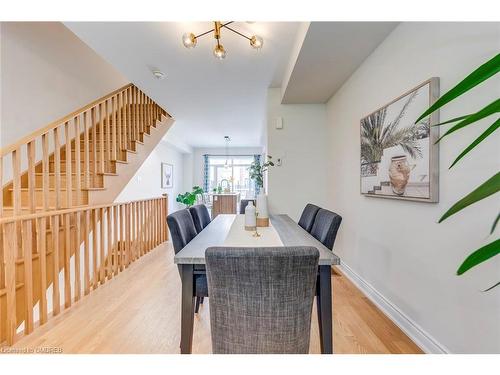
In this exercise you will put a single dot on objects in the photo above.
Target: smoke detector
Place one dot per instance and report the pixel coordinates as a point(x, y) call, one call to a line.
point(159, 74)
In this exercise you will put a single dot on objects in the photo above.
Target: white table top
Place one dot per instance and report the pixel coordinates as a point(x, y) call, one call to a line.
point(283, 232)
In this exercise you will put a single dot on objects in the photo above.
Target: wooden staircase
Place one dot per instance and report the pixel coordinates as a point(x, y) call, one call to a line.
point(58, 222)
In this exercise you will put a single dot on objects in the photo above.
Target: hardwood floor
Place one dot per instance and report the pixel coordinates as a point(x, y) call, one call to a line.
point(139, 312)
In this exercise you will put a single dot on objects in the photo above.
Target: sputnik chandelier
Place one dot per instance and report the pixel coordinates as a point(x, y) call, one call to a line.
point(189, 39)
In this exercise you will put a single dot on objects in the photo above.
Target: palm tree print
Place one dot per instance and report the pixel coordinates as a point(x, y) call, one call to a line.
point(375, 137)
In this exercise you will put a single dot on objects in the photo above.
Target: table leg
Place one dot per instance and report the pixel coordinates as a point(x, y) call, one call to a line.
point(324, 305)
point(318, 311)
point(187, 309)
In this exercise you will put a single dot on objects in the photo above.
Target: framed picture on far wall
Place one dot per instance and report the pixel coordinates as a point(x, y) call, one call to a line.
point(167, 176)
point(399, 159)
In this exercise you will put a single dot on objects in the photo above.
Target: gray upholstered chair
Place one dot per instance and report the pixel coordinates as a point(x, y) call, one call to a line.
point(201, 216)
point(325, 227)
point(306, 220)
point(261, 298)
point(182, 231)
point(244, 204)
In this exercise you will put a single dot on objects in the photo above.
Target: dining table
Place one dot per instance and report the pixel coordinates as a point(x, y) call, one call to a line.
point(228, 230)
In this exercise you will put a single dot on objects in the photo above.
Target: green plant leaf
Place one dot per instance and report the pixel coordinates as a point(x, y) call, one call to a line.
point(485, 112)
point(453, 120)
point(481, 74)
point(488, 188)
point(478, 140)
point(495, 223)
point(480, 255)
point(491, 287)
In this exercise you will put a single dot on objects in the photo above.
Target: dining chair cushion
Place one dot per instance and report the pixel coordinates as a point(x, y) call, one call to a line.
point(306, 220)
point(201, 216)
point(261, 298)
point(325, 227)
point(244, 204)
point(182, 229)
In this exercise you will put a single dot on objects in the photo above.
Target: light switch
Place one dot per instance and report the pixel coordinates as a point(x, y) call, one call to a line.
point(279, 122)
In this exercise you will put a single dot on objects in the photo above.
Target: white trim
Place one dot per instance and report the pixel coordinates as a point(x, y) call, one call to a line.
point(418, 335)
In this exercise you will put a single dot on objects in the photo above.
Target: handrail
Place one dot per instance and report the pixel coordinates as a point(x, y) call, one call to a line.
point(38, 215)
point(4, 151)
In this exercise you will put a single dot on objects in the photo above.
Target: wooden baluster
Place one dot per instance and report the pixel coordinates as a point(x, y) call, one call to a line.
point(55, 266)
point(95, 167)
point(27, 246)
point(139, 229)
point(78, 168)
point(86, 256)
point(30, 148)
point(67, 260)
point(119, 124)
point(102, 259)
point(95, 275)
point(123, 112)
point(136, 110)
point(109, 234)
point(45, 172)
point(69, 195)
point(16, 180)
point(116, 262)
point(143, 119)
point(10, 248)
point(86, 154)
point(57, 168)
point(102, 122)
point(41, 231)
point(122, 236)
point(114, 132)
point(78, 241)
point(148, 224)
point(145, 225)
point(127, 234)
point(107, 133)
point(131, 114)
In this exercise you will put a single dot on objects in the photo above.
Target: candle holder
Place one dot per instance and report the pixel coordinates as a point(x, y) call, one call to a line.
point(256, 234)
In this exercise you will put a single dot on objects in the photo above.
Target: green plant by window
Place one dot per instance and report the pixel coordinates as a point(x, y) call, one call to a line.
point(492, 185)
point(257, 170)
point(189, 198)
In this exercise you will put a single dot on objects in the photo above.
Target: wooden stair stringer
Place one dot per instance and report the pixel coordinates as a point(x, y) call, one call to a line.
point(125, 171)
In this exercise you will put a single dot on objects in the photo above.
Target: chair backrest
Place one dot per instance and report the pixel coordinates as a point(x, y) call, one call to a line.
point(325, 227)
point(182, 228)
point(244, 204)
point(261, 298)
point(306, 220)
point(201, 216)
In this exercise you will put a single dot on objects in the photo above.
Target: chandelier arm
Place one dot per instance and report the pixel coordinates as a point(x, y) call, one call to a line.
point(237, 32)
point(227, 23)
point(205, 33)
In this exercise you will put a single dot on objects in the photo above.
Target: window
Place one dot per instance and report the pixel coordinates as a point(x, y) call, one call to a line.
point(232, 172)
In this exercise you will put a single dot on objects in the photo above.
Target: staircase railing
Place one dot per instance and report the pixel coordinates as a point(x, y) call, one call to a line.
point(72, 153)
point(75, 250)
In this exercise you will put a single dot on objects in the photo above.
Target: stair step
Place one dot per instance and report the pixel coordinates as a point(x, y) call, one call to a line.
point(25, 199)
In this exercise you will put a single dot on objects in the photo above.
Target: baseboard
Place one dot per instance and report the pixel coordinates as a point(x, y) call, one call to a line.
point(420, 337)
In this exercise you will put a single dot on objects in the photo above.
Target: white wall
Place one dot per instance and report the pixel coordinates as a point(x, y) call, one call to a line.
point(197, 160)
point(46, 73)
point(396, 246)
point(146, 183)
point(302, 146)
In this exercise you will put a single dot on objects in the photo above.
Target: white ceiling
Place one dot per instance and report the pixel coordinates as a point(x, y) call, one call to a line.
point(330, 53)
point(208, 98)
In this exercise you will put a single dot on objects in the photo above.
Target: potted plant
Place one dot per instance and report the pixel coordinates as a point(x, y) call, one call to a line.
point(257, 174)
point(189, 198)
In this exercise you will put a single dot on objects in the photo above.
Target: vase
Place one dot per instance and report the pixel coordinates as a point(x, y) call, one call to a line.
point(399, 174)
point(262, 212)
